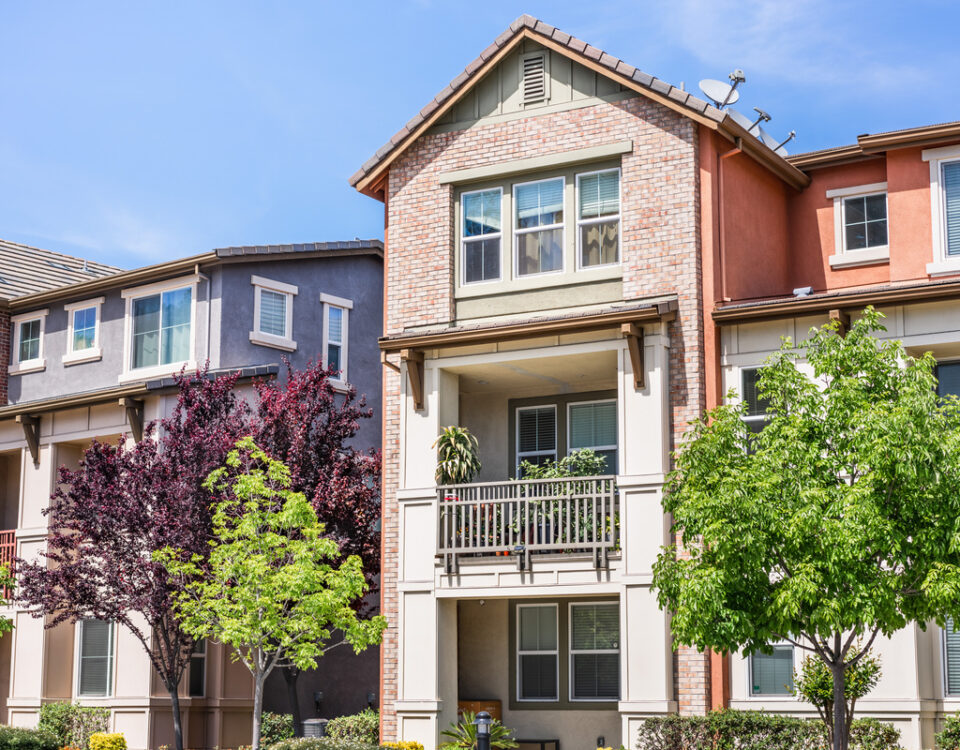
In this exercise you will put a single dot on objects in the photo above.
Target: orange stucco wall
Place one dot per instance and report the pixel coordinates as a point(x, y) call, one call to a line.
point(910, 223)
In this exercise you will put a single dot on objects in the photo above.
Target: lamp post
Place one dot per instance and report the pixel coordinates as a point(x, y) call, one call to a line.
point(482, 723)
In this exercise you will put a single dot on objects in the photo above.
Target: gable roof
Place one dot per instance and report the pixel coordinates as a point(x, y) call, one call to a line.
point(368, 178)
point(27, 270)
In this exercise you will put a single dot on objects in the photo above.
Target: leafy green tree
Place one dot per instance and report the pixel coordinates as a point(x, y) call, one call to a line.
point(814, 683)
point(268, 588)
point(838, 522)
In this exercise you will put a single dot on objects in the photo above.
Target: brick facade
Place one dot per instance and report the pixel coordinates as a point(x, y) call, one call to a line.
point(660, 247)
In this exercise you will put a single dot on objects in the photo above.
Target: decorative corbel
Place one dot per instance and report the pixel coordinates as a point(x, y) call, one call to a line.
point(843, 318)
point(633, 333)
point(387, 363)
point(134, 409)
point(31, 432)
point(414, 360)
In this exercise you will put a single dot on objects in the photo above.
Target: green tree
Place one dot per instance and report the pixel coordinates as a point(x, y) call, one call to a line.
point(268, 588)
point(838, 522)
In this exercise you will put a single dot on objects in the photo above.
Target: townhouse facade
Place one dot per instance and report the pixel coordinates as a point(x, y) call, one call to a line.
point(92, 357)
point(580, 255)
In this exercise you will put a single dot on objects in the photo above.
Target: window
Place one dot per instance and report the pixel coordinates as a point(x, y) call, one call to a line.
point(481, 235)
point(335, 333)
point(598, 218)
point(594, 425)
point(951, 207)
point(595, 651)
point(948, 378)
point(538, 226)
point(536, 434)
point(951, 658)
point(772, 674)
point(273, 313)
point(756, 414)
point(860, 225)
point(198, 669)
point(95, 650)
point(538, 673)
point(944, 208)
point(161, 328)
point(83, 331)
point(28, 330)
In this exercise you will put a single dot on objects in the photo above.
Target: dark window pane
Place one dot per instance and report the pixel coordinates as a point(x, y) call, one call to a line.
point(854, 210)
point(481, 260)
point(856, 236)
point(333, 356)
point(876, 207)
point(197, 675)
point(596, 676)
point(948, 375)
point(876, 233)
point(538, 429)
point(756, 406)
point(538, 676)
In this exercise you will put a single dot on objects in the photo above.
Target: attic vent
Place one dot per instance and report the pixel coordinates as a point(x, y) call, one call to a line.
point(534, 75)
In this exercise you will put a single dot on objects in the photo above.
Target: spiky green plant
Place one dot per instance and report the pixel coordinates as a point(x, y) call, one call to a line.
point(463, 734)
point(457, 458)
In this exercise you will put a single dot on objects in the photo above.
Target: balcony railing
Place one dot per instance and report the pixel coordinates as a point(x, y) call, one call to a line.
point(8, 551)
point(529, 516)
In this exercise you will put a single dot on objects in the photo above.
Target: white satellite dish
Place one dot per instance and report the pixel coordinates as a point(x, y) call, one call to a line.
point(722, 93)
point(768, 140)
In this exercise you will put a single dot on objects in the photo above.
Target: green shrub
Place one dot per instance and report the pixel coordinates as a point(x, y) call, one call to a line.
point(322, 743)
point(274, 728)
point(755, 730)
point(18, 738)
point(362, 727)
point(71, 724)
point(949, 737)
point(107, 741)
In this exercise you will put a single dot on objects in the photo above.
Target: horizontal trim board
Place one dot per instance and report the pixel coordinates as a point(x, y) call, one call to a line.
point(536, 163)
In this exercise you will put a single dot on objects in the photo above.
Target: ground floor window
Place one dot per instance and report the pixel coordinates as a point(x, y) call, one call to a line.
point(772, 674)
point(594, 651)
point(198, 669)
point(537, 654)
point(95, 658)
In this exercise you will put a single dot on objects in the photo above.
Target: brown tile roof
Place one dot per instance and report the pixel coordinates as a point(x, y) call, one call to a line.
point(539, 31)
point(27, 270)
point(302, 247)
point(871, 144)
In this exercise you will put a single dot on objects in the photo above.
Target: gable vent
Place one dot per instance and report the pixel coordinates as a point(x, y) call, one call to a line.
point(534, 74)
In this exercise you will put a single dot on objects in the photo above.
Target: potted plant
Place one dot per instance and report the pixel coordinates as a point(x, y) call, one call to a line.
point(457, 459)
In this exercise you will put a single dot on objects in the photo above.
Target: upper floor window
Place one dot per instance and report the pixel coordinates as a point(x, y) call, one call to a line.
point(336, 311)
point(28, 330)
point(860, 225)
point(95, 658)
point(593, 425)
point(273, 313)
point(598, 218)
point(772, 674)
point(944, 208)
point(756, 414)
point(83, 331)
point(536, 434)
point(159, 324)
point(948, 378)
point(538, 226)
point(481, 235)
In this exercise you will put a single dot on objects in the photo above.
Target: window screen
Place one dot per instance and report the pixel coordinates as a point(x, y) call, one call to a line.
point(537, 655)
point(273, 313)
point(772, 674)
point(948, 379)
point(96, 657)
point(539, 226)
point(595, 651)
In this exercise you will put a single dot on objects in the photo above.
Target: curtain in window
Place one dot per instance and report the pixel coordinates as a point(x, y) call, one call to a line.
point(29, 341)
point(96, 657)
point(772, 674)
point(951, 194)
point(273, 313)
point(540, 203)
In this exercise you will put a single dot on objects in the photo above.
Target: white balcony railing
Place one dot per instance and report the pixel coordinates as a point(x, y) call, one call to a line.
point(529, 516)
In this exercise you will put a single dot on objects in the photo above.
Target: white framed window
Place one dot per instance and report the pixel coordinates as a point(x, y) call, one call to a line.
point(481, 235)
point(273, 313)
point(951, 659)
point(538, 227)
point(536, 434)
point(28, 330)
point(860, 225)
point(160, 328)
point(772, 674)
point(944, 208)
point(198, 669)
point(336, 328)
point(594, 633)
point(538, 655)
point(83, 331)
point(593, 424)
point(95, 660)
point(598, 218)
point(756, 415)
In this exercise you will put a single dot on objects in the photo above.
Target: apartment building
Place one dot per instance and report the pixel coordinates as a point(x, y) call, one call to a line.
point(579, 254)
point(91, 353)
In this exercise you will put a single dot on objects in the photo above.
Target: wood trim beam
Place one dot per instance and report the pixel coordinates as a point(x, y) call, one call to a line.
point(134, 409)
point(843, 320)
point(414, 361)
point(633, 333)
point(31, 433)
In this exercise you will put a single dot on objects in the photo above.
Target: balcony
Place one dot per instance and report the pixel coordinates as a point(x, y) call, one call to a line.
point(527, 517)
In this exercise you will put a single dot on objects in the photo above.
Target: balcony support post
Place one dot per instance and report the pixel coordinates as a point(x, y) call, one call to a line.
point(633, 333)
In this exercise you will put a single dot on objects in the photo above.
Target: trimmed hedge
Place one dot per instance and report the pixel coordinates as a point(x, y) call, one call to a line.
point(362, 727)
point(949, 737)
point(755, 730)
point(73, 724)
point(18, 738)
point(322, 743)
point(108, 741)
point(274, 728)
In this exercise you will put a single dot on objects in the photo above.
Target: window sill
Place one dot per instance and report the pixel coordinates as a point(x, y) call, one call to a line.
point(531, 282)
point(854, 258)
point(34, 365)
point(153, 373)
point(76, 358)
point(944, 267)
point(275, 342)
point(340, 386)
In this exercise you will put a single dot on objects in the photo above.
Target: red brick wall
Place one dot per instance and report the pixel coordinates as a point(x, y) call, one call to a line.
point(660, 241)
point(4, 353)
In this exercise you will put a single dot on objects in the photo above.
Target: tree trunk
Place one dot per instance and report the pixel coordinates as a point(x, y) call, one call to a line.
point(175, 708)
point(257, 708)
point(290, 675)
point(839, 704)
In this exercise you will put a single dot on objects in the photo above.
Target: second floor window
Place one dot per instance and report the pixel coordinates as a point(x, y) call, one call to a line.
point(951, 206)
point(84, 329)
point(336, 333)
point(536, 434)
point(28, 349)
point(757, 407)
point(598, 218)
point(273, 313)
point(198, 669)
point(161, 328)
point(865, 222)
point(538, 226)
point(481, 235)
point(594, 425)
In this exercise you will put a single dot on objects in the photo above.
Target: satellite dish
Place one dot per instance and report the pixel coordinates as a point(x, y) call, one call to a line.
point(780, 150)
point(768, 140)
point(721, 93)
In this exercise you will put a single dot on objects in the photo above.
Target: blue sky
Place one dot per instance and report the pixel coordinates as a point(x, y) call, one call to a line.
point(135, 132)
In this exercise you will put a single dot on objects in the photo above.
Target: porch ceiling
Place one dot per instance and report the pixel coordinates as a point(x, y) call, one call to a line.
point(565, 374)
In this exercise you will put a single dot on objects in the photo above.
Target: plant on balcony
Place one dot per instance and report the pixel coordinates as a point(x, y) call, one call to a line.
point(458, 461)
point(463, 734)
point(580, 463)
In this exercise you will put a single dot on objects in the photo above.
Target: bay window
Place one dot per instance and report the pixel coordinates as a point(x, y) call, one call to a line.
point(160, 328)
point(538, 227)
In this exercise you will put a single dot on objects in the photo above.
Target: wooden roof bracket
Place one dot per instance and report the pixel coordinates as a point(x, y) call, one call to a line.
point(633, 333)
point(843, 318)
point(387, 363)
point(134, 409)
point(31, 433)
point(414, 361)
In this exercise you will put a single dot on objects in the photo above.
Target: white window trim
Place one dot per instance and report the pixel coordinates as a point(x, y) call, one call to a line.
point(941, 264)
point(328, 301)
point(597, 220)
point(130, 374)
point(521, 455)
point(95, 352)
point(464, 240)
point(843, 258)
point(76, 665)
point(517, 232)
point(770, 696)
point(571, 652)
point(261, 338)
point(37, 364)
point(520, 652)
point(614, 447)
